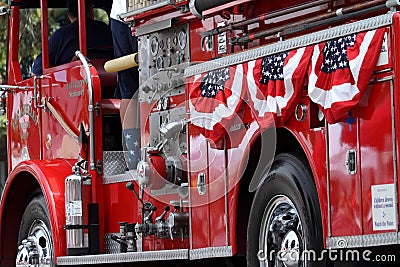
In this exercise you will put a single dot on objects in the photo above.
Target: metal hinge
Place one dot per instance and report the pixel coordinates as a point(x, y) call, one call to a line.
point(201, 184)
point(351, 161)
point(99, 167)
point(97, 109)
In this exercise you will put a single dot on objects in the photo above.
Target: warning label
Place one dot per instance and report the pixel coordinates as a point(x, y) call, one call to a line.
point(384, 55)
point(73, 208)
point(383, 207)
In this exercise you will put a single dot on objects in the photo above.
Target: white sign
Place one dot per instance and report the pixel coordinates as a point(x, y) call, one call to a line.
point(221, 40)
point(384, 55)
point(73, 208)
point(383, 207)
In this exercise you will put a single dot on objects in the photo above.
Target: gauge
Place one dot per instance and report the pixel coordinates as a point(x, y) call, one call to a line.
point(169, 44)
point(168, 61)
point(154, 45)
point(169, 74)
point(175, 40)
point(161, 44)
point(160, 63)
point(182, 39)
point(159, 105)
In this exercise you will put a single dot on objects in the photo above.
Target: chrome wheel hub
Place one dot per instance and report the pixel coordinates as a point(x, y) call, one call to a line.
point(290, 250)
point(37, 249)
point(281, 234)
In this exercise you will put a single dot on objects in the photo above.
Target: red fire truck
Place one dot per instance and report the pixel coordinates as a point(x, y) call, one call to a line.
point(269, 131)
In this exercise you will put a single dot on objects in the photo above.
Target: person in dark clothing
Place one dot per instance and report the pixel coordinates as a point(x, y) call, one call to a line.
point(124, 44)
point(65, 41)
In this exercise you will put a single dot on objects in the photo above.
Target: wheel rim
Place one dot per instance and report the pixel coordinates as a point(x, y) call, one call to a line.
point(281, 239)
point(37, 248)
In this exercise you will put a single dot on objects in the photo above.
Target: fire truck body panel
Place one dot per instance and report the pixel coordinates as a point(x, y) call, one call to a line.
point(204, 186)
point(299, 136)
point(46, 176)
point(376, 152)
point(25, 126)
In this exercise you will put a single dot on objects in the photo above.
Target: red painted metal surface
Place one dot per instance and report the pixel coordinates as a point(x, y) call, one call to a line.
point(312, 139)
point(50, 176)
point(214, 214)
point(396, 66)
point(345, 189)
point(376, 154)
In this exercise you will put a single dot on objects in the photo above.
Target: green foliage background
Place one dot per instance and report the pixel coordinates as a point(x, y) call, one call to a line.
point(29, 48)
point(30, 38)
point(30, 34)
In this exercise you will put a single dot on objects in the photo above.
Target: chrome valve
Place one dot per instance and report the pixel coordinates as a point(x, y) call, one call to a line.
point(127, 237)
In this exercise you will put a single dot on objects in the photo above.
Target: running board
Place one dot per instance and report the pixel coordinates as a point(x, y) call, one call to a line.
point(360, 241)
point(162, 255)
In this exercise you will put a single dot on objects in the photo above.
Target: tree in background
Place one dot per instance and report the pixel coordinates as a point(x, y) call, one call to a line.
point(29, 48)
point(30, 34)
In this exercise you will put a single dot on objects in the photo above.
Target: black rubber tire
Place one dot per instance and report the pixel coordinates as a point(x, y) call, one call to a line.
point(290, 177)
point(36, 210)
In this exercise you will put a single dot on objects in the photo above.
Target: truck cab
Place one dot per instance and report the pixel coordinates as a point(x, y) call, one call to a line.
point(254, 150)
point(53, 116)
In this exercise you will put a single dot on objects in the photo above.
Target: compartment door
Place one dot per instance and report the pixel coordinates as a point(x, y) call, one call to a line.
point(345, 182)
point(377, 158)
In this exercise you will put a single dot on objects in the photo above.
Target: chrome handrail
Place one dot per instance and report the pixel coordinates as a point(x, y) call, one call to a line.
point(86, 67)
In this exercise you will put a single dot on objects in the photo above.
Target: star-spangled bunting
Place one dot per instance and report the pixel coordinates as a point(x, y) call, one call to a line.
point(341, 70)
point(272, 68)
point(335, 54)
point(213, 82)
point(274, 85)
point(215, 98)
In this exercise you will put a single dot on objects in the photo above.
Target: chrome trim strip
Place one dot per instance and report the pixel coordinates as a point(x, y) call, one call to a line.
point(162, 255)
point(226, 193)
point(4, 87)
point(328, 178)
point(383, 71)
point(193, 9)
point(305, 40)
point(147, 8)
point(210, 252)
point(394, 146)
point(86, 67)
point(358, 241)
point(119, 178)
point(157, 26)
point(384, 79)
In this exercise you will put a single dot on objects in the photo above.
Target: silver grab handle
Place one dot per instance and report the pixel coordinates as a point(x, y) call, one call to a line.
point(86, 67)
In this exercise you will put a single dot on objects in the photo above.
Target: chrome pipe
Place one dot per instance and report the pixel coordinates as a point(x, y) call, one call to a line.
point(84, 60)
point(13, 87)
point(198, 6)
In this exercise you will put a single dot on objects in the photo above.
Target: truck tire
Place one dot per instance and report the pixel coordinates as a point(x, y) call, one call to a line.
point(35, 238)
point(285, 217)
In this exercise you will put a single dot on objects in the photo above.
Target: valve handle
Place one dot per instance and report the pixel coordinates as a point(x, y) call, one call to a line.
point(148, 218)
point(130, 186)
point(161, 217)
